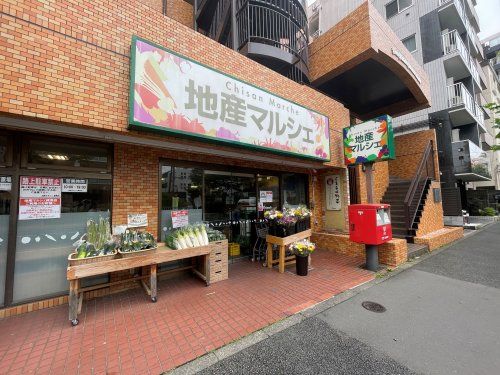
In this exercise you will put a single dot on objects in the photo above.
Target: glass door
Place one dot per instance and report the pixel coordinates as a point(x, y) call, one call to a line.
point(269, 193)
point(231, 207)
point(5, 202)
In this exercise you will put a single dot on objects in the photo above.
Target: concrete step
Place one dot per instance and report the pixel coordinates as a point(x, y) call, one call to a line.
point(416, 250)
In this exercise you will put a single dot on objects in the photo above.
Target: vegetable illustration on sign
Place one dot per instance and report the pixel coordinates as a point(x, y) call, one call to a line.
point(369, 142)
point(173, 94)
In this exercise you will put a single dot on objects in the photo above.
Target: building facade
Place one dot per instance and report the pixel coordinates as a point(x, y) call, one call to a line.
point(104, 115)
point(442, 37)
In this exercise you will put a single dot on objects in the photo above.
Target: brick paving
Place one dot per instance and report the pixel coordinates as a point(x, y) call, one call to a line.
point(125, 333)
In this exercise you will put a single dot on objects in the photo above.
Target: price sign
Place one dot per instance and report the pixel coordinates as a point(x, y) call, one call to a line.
point(180, 218)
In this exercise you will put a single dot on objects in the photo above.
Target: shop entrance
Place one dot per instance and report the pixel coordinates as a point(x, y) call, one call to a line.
point(231, 207)
point(230, 200)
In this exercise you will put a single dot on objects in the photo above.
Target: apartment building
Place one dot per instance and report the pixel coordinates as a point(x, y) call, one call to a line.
point(442, 37)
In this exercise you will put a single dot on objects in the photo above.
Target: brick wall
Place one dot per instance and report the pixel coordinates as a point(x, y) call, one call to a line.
point(432, 215)
point(409, 150)
point(181, 11)
point(392, 253)
point(68, 61)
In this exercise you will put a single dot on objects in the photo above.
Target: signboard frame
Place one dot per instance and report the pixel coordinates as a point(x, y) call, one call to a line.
point(338, 181)
point(137, 125)
point(387, 141)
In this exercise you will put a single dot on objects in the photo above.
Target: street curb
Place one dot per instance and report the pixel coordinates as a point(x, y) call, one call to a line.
point(230, 349)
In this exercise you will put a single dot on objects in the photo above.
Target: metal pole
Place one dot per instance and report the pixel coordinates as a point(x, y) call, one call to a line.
point(371, 258)
point(370, 250)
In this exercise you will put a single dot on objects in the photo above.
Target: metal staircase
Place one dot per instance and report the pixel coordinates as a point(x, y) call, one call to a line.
point(407, 197)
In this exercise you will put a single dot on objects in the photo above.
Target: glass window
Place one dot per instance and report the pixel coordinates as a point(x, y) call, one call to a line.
point(396, 6)
point(67, 155)
point(42, 246)
point(5, 200)
point(295, 189)
point(5, 151)
point(391, 9)
point(410, 43)
point(181, 189)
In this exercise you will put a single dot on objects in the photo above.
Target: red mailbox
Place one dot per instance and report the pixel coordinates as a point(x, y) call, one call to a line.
point(370, 224)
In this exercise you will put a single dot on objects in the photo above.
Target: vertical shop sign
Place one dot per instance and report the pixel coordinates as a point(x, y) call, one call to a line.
point(180, 218)
point(39, 198)
point(333, 193)
point(74, 185)
point(5, 183)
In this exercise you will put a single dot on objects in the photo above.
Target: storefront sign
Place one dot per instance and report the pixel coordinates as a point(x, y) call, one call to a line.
point(174, 94)
point(74, 185)
point(180, 218)
point(39, 198)
point(137, 220)
point(5, 183)
point(266, 196)
point(333, 193)
point(369, 142)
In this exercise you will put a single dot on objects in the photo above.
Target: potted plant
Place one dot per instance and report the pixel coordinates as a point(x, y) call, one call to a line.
point(301, 250)
point(286, 225)
point(272, 217)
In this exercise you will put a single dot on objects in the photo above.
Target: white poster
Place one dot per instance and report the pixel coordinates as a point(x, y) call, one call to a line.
point(39, 198)
point(266, 196)
point(180, 218)
point(137, 220)
point(333, 193)
point(5, 183)
point(74, 185)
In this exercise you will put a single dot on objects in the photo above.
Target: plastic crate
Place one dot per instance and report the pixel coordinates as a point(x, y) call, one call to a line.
point(234, 249)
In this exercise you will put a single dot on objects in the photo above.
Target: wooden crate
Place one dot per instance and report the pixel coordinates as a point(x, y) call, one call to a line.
point(129, 254)
point(219, 261)
point(73, 261)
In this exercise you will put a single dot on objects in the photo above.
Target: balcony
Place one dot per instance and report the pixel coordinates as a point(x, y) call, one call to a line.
point(463, 108)
point(470, 162)
point(487, 141)
point(452, 16)
point(458, 62)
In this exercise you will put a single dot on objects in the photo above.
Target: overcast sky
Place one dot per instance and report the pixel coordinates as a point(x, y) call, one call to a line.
point(489, 16)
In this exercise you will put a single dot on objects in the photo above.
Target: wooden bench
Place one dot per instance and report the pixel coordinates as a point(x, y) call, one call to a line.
point(282, 242)
point(162, 254)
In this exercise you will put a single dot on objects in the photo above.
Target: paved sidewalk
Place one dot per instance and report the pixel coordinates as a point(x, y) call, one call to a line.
point(442, 318)
point(127, 334)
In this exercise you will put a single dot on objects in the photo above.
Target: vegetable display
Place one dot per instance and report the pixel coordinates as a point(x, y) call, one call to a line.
point(133, 240)
point(97, 241)
point(192, 236)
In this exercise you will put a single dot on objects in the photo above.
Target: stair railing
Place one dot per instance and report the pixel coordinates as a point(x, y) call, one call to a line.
point(424, 172)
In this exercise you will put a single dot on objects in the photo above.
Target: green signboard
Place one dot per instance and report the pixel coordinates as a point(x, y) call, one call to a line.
point(369, 142)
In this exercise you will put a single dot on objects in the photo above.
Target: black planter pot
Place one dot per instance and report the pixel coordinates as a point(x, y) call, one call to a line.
point(302, 265)
point(303, 224)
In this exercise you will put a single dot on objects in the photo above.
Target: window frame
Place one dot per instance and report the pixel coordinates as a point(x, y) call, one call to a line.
point(27, 165)
point(10, 151)
point(414, 36)
point(399, 10)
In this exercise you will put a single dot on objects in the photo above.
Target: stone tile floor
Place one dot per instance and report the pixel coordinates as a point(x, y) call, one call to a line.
point(125, 333)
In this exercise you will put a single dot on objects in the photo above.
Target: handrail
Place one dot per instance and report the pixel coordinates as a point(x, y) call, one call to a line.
point(424, 172)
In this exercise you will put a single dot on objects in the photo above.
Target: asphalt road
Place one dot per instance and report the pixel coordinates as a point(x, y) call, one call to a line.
point(442, 317)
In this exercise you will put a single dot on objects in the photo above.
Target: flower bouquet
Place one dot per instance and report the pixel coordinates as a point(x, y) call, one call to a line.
point(302, 249)
point(303, 215)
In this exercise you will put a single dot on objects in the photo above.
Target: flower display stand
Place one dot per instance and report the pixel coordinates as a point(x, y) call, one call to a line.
point(282, 243)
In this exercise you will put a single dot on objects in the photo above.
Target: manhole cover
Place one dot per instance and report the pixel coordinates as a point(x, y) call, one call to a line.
point(373, 307)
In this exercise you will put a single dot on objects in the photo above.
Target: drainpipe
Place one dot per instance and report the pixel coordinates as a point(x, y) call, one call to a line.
point(165, 7)
point(234, 28)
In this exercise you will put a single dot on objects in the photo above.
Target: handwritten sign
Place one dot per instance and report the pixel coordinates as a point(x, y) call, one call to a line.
point(137, 220)
point(180, 218)
point(39, 198)
point(333, 193)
